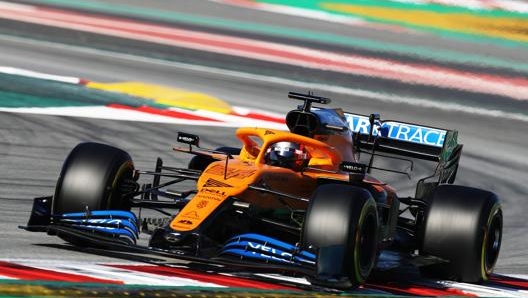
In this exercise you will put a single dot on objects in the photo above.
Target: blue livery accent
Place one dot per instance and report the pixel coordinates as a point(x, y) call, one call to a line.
point(110, 214)
point(260, 251)
point(124, 234)
point(261, 247)
point(113, 223)
point(272, 242)
point(109, 224)
point(398, 130)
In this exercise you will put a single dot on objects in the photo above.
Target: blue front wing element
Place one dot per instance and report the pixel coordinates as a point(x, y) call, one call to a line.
point(112, 223)
point(259, 247)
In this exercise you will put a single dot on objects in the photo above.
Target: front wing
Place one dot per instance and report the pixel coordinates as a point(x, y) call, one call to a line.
point(116, 233)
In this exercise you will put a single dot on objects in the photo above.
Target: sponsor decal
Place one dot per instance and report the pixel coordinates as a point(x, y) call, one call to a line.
point(201, 204)
point(115, 222)
point(215, 183)
point(398, 130)
point(185, 222)
point(269, 252)
point(191, 214)
point(265, 248)
point(353, 167)
point(185, 139)
point(188, 138)
point(212, 191)
point(239, 173)
point(210, 194)
point(219, 170)
point(216, 169)
point(103, 224)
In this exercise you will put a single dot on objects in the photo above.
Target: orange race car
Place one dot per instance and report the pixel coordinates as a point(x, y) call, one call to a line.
point(301, 201)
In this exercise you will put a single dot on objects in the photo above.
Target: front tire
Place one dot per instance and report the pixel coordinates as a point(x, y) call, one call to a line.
point(92, 178)
point(463, 225)
point(342, 225)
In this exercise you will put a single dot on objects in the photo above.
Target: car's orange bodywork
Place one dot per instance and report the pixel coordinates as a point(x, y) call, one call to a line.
point(217, 183)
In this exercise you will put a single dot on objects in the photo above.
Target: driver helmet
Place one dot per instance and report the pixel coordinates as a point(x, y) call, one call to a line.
point(287, 155)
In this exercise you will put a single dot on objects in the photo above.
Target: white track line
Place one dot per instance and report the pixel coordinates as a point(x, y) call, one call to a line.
point(382, 97)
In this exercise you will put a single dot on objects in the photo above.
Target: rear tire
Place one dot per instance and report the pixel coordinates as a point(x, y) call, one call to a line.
point(91, 179)
point(342, 225)
point(463, 225)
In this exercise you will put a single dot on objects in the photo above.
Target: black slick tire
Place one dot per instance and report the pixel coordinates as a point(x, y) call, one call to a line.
point(342, 226)
point(91, 179)
point(463, 226)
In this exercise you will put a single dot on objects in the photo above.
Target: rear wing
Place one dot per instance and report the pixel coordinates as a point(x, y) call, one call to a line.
point(408, 139)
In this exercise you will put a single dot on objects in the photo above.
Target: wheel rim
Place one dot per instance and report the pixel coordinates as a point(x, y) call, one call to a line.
point(367, 244)
point(115, 198)
point(493, 241)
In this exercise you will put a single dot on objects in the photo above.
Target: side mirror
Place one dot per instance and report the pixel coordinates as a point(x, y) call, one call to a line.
point(188, 138)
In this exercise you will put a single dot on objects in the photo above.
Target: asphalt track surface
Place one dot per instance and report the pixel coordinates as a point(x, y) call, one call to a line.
point(32, 147)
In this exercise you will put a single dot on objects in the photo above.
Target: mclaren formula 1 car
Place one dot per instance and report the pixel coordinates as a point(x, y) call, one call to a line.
point(301, 202)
